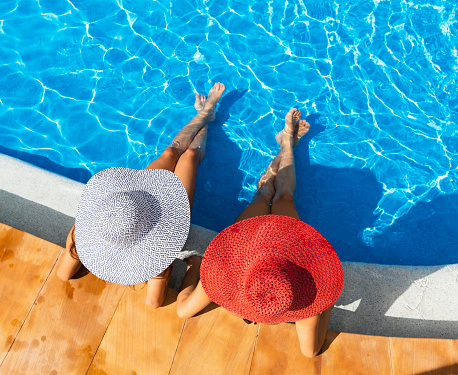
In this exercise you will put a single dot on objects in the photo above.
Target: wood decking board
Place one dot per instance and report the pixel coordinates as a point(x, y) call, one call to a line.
point(215, 342)
point(48, 326)
point(64, 328)
point(25, 263)
point(139, 340)
point(277, 352)
point(5, 234)
point(424, 356)
point(352, 354)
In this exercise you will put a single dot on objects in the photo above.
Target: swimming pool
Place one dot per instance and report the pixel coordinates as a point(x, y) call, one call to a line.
point(91, 85)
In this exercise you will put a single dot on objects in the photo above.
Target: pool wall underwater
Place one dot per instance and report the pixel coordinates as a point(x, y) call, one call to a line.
point(377, 299)
point(338, 202)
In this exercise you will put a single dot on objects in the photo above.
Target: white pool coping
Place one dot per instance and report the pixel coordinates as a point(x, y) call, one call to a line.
point(376, 299)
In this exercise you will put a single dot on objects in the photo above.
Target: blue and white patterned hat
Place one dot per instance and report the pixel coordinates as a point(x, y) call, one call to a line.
point(131, 224)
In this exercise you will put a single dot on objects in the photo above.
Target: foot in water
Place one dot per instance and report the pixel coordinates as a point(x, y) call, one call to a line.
point(207, 105)
point(293, 127)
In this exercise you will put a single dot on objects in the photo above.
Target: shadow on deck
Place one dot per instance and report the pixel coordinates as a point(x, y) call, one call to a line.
point(88, 326)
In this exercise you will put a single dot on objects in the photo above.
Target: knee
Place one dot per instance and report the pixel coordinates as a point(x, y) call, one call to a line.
point(286, 197)
point(170, 153)
point(191, 155)
point(263, 196)
point(153, 303)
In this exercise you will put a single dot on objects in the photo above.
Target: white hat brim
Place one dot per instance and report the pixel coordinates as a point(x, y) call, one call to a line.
point(153, 252)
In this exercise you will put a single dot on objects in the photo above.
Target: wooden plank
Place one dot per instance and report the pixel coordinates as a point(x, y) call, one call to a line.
point(25, 263)
point(278, 352)
point(139, 340)
point(424, 356)
point(352, 354)
point(215, 342)
point(64, 328)
point(5, 234)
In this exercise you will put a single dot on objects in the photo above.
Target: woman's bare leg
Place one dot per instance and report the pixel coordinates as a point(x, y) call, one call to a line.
point(167, 160)
point(189, 161)
point(183, 157)
point(186, 168)
point(185, 136)
point(181, 142)
point(260, 205)
point(285, 182)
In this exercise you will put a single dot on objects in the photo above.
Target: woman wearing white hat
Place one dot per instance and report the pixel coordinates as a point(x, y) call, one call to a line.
point(131, 224)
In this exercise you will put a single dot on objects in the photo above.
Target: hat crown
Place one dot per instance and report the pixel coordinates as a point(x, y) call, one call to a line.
point(122, 218)
point(269, 285)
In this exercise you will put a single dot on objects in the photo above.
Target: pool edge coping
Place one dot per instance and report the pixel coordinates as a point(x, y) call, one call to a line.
point(407, 301)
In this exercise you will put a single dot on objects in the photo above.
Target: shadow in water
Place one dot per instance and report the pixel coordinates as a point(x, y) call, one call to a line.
point(77, 174)
point(339, 203)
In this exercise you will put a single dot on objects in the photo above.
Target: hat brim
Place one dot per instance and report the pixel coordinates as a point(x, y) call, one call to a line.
point(154, 251)
point(230, 252)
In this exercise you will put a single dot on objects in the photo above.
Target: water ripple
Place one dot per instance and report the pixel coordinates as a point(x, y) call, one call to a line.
point(100, 83)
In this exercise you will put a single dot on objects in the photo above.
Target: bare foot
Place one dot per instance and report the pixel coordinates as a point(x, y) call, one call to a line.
point(293, 127)
point(214, 95)
point(302, 128)
point(291, 119)
point(200, 104)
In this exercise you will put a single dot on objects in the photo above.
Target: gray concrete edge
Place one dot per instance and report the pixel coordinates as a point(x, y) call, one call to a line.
point(376, 299)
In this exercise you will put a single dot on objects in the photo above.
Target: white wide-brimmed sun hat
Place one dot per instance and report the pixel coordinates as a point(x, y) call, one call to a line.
point(131, 224)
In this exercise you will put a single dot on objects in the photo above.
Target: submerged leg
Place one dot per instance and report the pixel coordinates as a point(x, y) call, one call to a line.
point(285, 182)
point(183, 157)
point(186, 168)
point(206, 113)
point(260, 205)
point(189, 161)
point(180, 143)
point(276, 190)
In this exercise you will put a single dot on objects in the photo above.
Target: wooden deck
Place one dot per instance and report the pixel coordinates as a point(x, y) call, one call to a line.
point(87, 326)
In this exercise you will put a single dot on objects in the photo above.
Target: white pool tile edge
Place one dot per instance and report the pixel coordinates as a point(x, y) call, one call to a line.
point(376, 299)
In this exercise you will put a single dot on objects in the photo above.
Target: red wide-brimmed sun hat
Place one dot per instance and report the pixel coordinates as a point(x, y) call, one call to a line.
point(272, 269)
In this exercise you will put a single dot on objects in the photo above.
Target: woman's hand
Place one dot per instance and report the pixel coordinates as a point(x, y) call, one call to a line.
point(193, 260)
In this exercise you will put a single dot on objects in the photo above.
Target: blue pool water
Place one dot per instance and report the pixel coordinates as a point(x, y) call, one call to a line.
point(86, 85)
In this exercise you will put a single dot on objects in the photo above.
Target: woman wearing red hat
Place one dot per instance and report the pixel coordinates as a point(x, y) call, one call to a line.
point(270, 267)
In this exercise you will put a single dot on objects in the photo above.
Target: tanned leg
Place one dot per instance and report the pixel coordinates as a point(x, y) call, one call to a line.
point(260, 205)
point(189, 161)
point(185, 154)
point(285, 182)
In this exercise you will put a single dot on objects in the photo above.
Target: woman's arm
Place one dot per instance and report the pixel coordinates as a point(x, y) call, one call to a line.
point(312, 332)
point(191, 298)
point(68, 265)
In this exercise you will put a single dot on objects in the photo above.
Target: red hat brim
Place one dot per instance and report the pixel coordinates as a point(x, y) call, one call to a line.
point(231, 251)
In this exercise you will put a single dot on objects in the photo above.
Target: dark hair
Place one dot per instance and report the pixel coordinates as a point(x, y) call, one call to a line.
point(133, 287)
point(72, 249)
